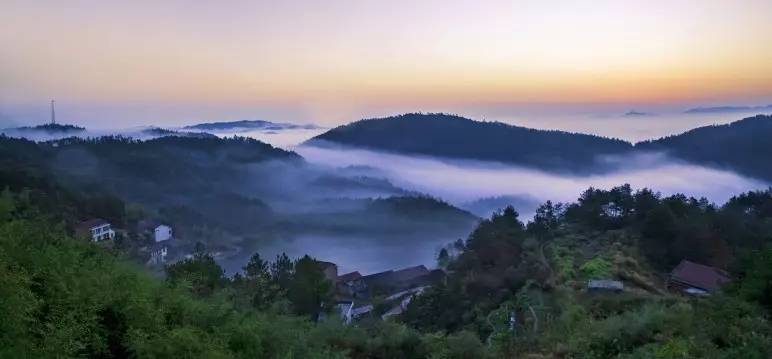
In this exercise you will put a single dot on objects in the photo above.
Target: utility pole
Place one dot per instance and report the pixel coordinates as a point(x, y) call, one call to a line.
point(53, 113)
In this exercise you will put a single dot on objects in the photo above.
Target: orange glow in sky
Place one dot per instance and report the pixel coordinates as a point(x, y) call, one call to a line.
point(336, 58)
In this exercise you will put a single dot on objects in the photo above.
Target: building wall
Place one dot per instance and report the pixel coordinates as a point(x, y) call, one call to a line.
point(163, 233)
point(102, 233)
point(331, 273)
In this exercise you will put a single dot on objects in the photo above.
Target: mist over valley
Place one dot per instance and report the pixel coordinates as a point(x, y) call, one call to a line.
point(362, 206)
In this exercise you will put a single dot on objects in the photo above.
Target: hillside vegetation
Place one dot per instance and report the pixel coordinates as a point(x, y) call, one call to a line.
point(64, 297)
point(457, 137)
point(537, 274)
point(741, 146)
point(226, 192)
point(60, 298)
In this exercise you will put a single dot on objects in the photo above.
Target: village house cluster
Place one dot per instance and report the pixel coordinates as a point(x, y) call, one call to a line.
point(159, 234)
point(356, 294)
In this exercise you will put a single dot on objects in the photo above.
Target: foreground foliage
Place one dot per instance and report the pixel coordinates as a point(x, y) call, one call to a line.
point(521, 288)
point(63, 297)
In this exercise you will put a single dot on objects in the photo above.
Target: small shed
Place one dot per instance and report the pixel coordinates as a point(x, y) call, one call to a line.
point(605, 285)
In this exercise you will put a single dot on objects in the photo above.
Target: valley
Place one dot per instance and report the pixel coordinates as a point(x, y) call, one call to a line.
point(366, 239)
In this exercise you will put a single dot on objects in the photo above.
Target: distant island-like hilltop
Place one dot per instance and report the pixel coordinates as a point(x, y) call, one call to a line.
point(634, 113)
point(729, 109)
point(249, 125)
point(451, 136)
point(161, 132)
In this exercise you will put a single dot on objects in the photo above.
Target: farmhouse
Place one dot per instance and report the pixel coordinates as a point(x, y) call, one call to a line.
point(96, 229)
point(697, 279)
point(162, 233)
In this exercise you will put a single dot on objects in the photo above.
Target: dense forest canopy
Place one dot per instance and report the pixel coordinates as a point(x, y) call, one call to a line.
point(64, 297)
point(537, 272)
point(60, 299)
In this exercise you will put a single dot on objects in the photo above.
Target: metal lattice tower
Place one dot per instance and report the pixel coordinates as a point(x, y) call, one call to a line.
point(53, 113)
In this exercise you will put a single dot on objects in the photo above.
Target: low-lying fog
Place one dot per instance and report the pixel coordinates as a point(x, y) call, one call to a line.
point(366, 254)
point(464, 181)
point(481, 188)
point(284, 138)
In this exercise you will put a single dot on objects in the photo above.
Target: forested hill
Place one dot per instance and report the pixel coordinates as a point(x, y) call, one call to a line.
point(743, 146)
point(457, 137)
point(225, 191)
point(53, 127)
point(133, 167)
point(197, 182)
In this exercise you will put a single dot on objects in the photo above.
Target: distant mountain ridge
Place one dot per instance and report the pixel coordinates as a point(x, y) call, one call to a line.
point(162, 132)
point(743, 146)
point(728, 109)
point(451, 136)
point(634, 113)
point(249, 125)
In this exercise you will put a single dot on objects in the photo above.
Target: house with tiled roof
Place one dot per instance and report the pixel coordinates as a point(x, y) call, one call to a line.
point(697, 279)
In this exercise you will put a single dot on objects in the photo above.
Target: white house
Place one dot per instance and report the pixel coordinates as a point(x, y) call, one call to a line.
point(96, 229)
point(158, 254)
point(162, 233)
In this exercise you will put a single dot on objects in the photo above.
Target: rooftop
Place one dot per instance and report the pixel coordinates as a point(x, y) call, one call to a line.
point(349, 276)
point(605, 284)
point(699, 275)
point(396, 279)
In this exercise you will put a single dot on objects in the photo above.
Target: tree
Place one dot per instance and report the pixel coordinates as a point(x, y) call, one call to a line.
point(443, 258)
point(7, 205)
point(547, 219)
point(756, 284)
point(309, 289)
point(201, 273)
point(256, 267)
point(282, 270)
point(256, 286)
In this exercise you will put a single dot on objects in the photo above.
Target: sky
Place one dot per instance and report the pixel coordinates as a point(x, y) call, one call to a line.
point(328, 62)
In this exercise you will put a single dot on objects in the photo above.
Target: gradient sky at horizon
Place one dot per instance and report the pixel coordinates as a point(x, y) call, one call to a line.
point(173, 62)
